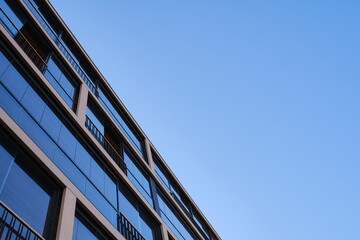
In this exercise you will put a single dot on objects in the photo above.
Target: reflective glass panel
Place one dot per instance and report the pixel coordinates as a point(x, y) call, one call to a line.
point(26, 198)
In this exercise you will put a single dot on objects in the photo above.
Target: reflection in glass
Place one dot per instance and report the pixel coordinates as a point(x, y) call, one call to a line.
point(26, 198)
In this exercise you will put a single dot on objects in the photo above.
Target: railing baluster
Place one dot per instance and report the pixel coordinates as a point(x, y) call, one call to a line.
point(104, 143)
point(127, 229)
point(13, 227)
point(60, 45)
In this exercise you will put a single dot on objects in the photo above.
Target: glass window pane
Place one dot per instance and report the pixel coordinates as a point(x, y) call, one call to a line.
point(146, 230)
point(54, 69)
point(8, 103)
point(33, 103)
point(83, 232)
point(99, 124)
point(67, 142)
point(97, 175)
point(82, 159)
point(101, 204)
point(8, 9)
point(13, 80)
point(4, 63)
point(26, 198)
point(138, 178)
point(5, 162)
point(110, 190)
point(128, 208)
point(120, 121)
point(51, 123)
point(70, 170)
point(32, 129)
point(67, 86)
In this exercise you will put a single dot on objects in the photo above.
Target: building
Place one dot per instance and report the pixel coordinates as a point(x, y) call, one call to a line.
point(74, 164)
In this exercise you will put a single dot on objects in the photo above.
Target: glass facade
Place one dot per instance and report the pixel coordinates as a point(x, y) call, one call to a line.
point(32, 108)
point(119, 121)
point(58, 77)
point(172, 219)
point(59, 144)
point(132, 170)
point(167, 183)
point(8, 13)
point(85, 229)
point(24, 192)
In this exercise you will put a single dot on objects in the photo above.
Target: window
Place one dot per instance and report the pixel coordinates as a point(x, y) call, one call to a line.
point(173, 220)
point(137, 177)
point(69, 151)
point(26, 190)
point(60, 79)
point(130, 208)
point(120, 121)
point(15, 17)
point(84, 228)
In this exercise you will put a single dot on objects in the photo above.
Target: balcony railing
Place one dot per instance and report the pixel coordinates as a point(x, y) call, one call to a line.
point(21, 40)
point(127, 229)
point(104, 143)
point(30, 51)
point(13, 227)
point(61, 46)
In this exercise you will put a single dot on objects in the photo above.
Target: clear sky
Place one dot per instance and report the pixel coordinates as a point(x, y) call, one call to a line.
point(253, 104)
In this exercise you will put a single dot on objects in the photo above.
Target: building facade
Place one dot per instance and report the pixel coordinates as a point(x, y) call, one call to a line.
point(74, 164)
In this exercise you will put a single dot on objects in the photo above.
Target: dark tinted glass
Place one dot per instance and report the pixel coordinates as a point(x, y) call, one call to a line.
point(16, 18)
point(172, 220)
point(69, 169)
point(60, 80)
point(13, 80)
point(6, 159)
point(67, 141)
point(120, 121)
point(8, 103)
point(51, 123)
point(62, 154)
point(128, 207)
point(36, 133)
point(26, 198)
point(110, 190)
point(4, 63)
point(145, 229)
point(99, 124)
point(138, 178)
point(97, 175)
point(82, 160)
point(134, 213)
point(84, 228)
point(33, 103)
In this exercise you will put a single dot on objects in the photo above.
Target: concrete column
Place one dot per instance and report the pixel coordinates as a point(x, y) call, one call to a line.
point(82, 102)
point(164, 232)
point(66, 216)
point(149, 155)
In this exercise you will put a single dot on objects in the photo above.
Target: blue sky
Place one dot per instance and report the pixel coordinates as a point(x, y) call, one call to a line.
point(253, 104)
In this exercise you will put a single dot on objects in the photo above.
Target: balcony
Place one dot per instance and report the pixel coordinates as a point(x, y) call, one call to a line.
point(90, 83)
point(34, 55)
point(13, 227)
point(127, 229)
point(63, 48)
point(105, 143)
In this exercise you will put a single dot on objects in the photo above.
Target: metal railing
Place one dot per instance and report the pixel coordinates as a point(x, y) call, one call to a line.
point(62, 48)
point(54, 36)
point(110, 150)
point(13, 227)
point(23, 42)
point(127, 229)
point(30, 51)
point(105, 143)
